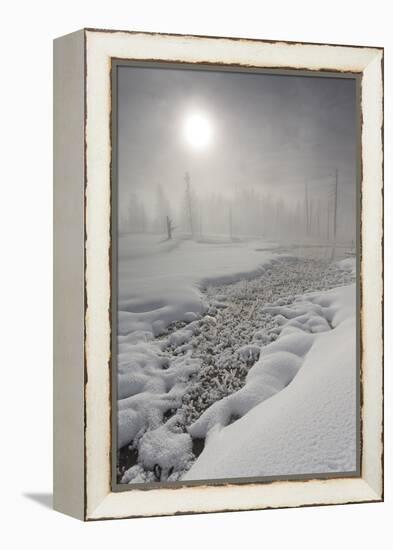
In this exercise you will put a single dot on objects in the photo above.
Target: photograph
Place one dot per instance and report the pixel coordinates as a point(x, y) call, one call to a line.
point(235, 274)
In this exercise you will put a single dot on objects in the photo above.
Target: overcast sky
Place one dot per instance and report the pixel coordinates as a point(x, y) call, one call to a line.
point(268, 131)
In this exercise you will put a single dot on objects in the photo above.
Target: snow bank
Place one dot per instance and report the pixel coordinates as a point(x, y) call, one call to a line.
point(158, 282)
point(296, 413)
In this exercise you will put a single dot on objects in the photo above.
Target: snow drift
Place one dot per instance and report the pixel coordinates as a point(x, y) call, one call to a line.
point(297, 412)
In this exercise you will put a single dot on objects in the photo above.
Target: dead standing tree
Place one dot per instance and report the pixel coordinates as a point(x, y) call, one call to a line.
point(169, 227)
point(335, 206)
point(189, 203)
point(306, 209)
point(332, 198)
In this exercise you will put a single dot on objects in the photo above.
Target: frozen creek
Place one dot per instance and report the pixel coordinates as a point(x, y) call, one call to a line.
point(239, 321)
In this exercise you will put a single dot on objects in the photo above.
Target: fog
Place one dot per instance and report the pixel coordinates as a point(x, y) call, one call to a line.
point(280, 161)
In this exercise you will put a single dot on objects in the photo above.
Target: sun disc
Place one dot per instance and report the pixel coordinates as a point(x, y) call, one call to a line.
point(197, 131)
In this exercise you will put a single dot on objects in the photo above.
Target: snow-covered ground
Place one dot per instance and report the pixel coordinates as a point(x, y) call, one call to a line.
point(159, 281)
point(212, 332)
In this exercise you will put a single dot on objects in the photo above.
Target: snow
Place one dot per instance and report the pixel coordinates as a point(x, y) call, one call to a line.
point(347, 264)
point(249, 353)
point(211, 336)
point(148, 387)
point(159, 282)
point(166, 448)
point(296, 413)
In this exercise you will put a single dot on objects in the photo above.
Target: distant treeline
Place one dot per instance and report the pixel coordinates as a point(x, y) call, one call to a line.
point(326, 213)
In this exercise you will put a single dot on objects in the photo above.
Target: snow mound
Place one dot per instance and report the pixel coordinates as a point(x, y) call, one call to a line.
point(148, 386)
point(165, 448)
point(249, 353)
point(296, 413)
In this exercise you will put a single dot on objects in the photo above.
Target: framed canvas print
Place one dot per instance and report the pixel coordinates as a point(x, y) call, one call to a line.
point(218, 274)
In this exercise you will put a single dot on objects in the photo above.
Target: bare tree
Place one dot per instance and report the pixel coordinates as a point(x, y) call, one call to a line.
point(318, 218)
point(335, 206)
point(328, 220)
point(143, 219)
point(189, 203)
point(162, 210)
point(306, 209)
point(137, 218)
point(311, 217)
point(230, 224)
point(169, 227)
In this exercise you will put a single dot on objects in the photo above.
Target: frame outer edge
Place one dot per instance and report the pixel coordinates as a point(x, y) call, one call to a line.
point(68, 293)
point(372, 271)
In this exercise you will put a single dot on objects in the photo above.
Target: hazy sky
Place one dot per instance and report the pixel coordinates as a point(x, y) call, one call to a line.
point(267, 130)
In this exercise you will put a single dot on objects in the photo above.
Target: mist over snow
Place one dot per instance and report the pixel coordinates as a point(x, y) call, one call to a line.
point(276, 143)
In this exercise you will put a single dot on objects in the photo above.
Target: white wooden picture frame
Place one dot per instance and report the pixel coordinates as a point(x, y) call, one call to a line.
point(82, 256)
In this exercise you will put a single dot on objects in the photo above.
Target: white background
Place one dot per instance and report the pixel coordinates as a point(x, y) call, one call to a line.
point(28, 28)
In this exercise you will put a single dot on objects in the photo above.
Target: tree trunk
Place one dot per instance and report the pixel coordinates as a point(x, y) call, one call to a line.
point(169, 227)
point(335, 206)
point(189, 203)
